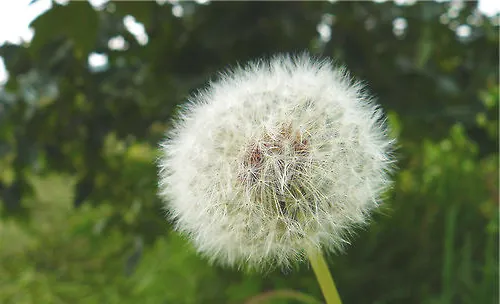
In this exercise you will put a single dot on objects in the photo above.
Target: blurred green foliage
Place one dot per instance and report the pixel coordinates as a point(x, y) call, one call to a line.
point(80, 221)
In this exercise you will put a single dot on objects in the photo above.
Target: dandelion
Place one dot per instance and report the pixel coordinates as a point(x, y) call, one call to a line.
point(275, 162)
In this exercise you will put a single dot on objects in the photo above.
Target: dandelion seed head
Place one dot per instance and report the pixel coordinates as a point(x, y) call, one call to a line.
point(273, 158)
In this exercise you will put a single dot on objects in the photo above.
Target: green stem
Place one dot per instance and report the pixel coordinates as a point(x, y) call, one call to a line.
point(324, 277)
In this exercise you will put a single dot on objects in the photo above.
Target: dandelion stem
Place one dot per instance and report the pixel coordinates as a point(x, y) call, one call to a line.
point(324, 277)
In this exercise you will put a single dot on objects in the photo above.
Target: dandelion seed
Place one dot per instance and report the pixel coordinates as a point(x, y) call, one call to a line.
point(274, 158)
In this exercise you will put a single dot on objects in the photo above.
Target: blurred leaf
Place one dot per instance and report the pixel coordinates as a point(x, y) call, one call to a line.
point(83, 188)
point(76, 21)
point(141, 11)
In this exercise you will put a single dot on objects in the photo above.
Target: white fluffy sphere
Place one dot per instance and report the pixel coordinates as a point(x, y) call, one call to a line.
point(272, 159)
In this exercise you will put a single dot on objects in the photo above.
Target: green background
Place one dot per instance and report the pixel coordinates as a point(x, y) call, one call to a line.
point(80, 221)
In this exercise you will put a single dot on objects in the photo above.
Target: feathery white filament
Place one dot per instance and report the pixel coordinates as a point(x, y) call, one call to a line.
point(274, 158)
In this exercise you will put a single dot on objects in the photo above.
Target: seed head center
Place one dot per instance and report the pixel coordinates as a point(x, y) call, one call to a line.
point(275, 160)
